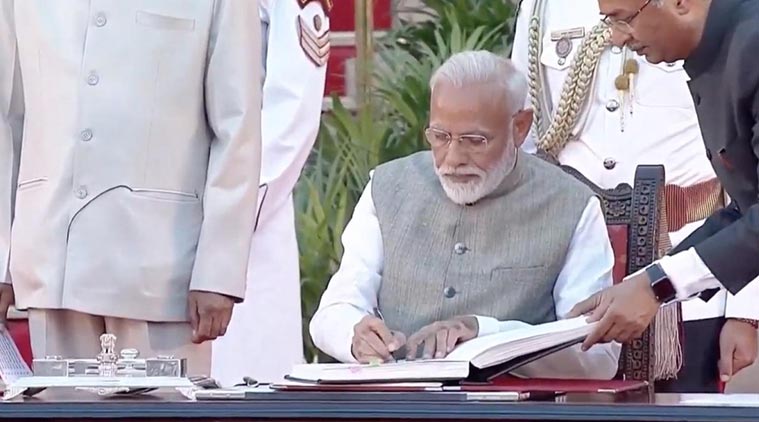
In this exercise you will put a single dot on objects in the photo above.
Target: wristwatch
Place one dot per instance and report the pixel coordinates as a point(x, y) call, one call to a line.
point(660, 283)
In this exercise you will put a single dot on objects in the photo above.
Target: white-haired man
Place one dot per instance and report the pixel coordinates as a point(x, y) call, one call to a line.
point(472, 238)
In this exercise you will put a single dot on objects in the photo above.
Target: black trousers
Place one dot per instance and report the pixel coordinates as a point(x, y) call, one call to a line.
point(699, 373)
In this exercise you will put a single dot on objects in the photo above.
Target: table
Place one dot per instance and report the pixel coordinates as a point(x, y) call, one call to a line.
point(169, 407)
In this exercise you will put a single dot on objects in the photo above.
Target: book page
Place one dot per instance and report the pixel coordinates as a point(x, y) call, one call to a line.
point(469, 350)
point(12, 365)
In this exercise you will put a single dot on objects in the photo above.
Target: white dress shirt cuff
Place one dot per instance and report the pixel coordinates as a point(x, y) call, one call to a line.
point(688, 273)
point(487, 325)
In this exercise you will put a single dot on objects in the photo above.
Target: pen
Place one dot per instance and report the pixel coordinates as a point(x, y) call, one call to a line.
point(378, 314)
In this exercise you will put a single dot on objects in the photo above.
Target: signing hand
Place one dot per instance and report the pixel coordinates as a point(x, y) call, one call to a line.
point(441, 337)
point(737, 346)
point(624, 311)
point(7, 298)
point(209, 315)
point(373, 341)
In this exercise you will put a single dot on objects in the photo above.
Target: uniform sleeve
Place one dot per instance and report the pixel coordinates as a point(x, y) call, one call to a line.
point(519, 57)
point(11, 127)
point(587, 270)
point(352, 291)
point(233, 108)
point(293, 90)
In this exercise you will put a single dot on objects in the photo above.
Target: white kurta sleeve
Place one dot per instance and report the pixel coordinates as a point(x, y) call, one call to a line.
point(233, 108)
point(587, 270)
point(293, 89)
point(11, 124)
point(352, 292)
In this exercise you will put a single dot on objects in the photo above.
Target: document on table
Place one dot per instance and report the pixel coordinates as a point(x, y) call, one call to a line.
point(732, 400)
point(12, 365)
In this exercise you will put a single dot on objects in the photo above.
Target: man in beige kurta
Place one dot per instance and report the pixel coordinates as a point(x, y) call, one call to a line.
point(130, 152)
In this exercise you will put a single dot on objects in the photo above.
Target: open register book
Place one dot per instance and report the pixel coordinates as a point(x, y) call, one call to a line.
point(477, 359)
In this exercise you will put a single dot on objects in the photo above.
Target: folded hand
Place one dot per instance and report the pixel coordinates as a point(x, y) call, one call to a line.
point(209, 315)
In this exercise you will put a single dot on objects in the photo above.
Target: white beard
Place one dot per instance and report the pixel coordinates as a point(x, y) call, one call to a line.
point(485, 184)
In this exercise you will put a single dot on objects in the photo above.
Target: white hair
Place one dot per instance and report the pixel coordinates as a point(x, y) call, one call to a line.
point(476, 67)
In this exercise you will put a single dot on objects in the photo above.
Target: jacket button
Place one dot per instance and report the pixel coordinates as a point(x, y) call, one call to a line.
point(449, 292)
point(696, 99)
point(460, 248)
point(86, 135)
point(708, 154)
point(100, 20)
point(81, 192)
point(610, 163)
point(93, 79)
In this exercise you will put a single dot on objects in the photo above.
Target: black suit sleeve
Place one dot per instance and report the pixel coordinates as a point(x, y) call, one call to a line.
point(732, 254)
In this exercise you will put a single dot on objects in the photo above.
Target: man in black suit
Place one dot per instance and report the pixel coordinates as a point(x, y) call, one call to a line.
point(718, 40)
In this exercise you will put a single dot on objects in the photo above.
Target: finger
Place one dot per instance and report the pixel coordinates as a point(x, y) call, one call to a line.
point(204, 325)
point(224, 320)
point(412, 346)
point(600, 310)
point(384, 335)
point(453, 340)
point(215, 328)
point(584, 307)
point(379, 348)
point(441, 343)
point(364, 352)
point(599, 332)
point(725, 369)
point(726, 356)
point(194, 317)
point(429, 346)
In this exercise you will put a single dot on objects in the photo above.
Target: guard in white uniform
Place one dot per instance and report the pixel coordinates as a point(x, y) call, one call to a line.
point(603, 111)
point(138, 169)
point(265, 338)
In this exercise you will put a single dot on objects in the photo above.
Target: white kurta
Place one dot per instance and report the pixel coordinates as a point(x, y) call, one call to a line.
point(662, 129)
point(265, 338)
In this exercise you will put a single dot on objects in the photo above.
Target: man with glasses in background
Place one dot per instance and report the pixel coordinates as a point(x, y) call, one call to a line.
point(596, 107)
point(717, 39)
point(472, 238)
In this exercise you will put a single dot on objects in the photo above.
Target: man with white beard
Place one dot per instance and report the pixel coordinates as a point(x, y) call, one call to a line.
point(471, 238)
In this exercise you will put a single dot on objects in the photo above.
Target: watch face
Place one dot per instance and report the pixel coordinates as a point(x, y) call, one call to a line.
point(660, 284)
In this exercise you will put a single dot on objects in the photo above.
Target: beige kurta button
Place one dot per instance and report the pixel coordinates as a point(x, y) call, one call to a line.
point(616, 50)
point(612, 105)
point(93, 78)
point(460, 248)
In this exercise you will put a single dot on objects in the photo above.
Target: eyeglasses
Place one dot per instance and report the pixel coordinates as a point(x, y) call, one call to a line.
point(624, 25)
point(439, 138)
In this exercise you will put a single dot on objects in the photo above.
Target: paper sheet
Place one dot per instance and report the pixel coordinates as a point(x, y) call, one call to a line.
point(12, 365)
point(733, 400)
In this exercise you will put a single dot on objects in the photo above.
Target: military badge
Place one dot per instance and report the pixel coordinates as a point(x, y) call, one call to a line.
point(313, 32)
point(563, 40)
